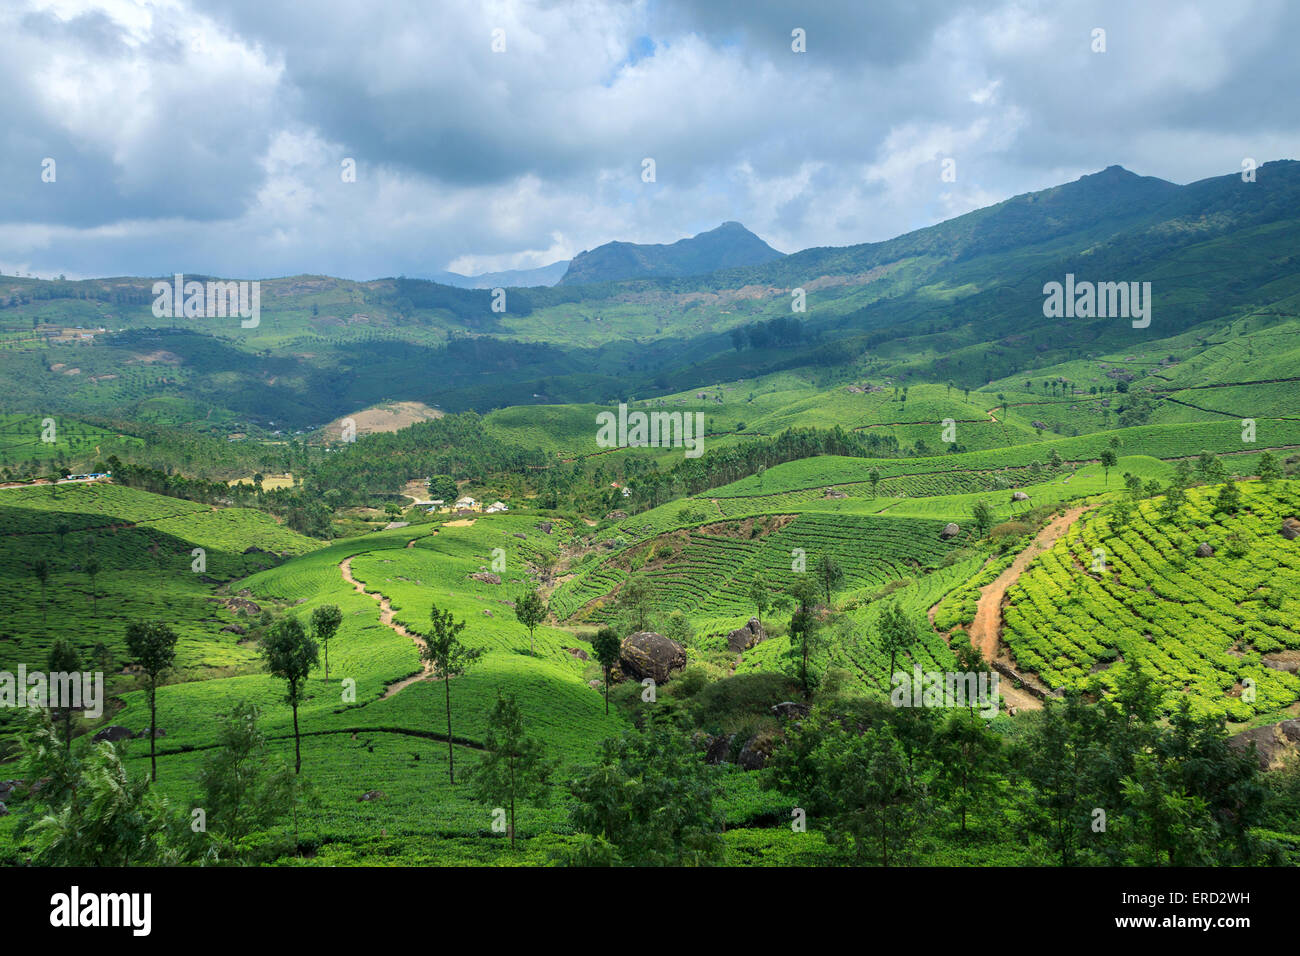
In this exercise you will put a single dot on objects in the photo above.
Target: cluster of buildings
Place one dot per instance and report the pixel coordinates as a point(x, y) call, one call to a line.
point(464, 503)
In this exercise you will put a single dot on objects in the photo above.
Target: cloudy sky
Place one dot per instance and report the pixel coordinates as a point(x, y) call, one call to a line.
point(211, 135)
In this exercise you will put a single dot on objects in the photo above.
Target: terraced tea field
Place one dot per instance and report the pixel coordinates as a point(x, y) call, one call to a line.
point(1106, 597)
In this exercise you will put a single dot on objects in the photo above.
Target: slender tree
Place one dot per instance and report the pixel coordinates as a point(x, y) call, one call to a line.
point(897, 633)
point(530, 610)
point(62, 659)
point(513, 767)
point(91, 567)
point(607, 647)
point(325, 621)
point(829, 573)
point(1108, 461)
point(450, 658)
point(290, 655)
point(153, 645)
point(760, 593)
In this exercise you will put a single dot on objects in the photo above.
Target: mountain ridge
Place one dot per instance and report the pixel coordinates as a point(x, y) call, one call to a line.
point(728, 245)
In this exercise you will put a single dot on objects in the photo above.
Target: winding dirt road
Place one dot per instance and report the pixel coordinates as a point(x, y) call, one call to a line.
point(386, 618)
point(986, 629)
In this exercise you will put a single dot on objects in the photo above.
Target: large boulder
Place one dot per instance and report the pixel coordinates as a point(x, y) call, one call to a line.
point(950, 530)
point(1019, 496)
point(719, 749)
point(753, 756)
point(743, 638)
point(1274, 743)
point(1205, 550)
point(647, 654)
point(1290, 529)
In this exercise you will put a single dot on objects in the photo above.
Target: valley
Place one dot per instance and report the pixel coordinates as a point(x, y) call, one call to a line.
point(921, 471)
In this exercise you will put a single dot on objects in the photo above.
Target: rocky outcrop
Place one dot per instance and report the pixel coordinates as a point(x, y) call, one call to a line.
point(647, 654)
point(950, 530)
point(371, 795)
point(1019, 496)
point(1205, 550)
point(579, 653)
point(755, 753)
point(791, 709)
point(743, 638)
point(487, 577)
point(1274, 743)
point(1290, 529)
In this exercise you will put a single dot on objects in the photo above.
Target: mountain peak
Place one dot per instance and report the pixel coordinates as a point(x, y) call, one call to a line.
point(726, 246)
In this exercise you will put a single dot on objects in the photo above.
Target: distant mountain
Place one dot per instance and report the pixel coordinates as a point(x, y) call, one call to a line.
point(729, 246)
point(510, 278)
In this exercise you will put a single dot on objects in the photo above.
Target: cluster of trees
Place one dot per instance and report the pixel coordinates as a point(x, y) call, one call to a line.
point(455, 445)
point(778, 332)
point(1108, 783)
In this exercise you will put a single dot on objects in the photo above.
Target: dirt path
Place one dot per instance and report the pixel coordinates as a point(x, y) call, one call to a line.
point(386, 618)
point(986, 629)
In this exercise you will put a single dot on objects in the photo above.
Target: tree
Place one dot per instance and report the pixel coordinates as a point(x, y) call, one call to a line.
point(649, 802)
point(858, 781)
point(634, 603)
point(873, 476)
point(1108, 461)
point(290, 655)
point(442, 488)
point(91, 812)
point(325, 621)
point(760, 593)
point(982, 517)
point(62, 659)
point(41, 568)
point(244, 789)
point(513, 767)
point(1269, 471)
point(153, 646)
point(450, 658)
point(62, 529)
point(91, 567)
point(530, 610)
point(897, 633)
point(804, 624)
point(828, 573)
point(1229, 498)
point(607, 647)
point(968, 762)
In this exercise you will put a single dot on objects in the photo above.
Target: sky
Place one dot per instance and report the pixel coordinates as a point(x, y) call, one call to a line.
point(215, 136)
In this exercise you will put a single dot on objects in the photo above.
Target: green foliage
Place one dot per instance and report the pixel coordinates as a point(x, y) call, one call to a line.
point(243, 789)
point(325, 621)
point(513, 768)
point(90, 811)
point(650, 801)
